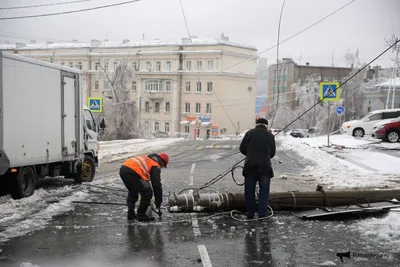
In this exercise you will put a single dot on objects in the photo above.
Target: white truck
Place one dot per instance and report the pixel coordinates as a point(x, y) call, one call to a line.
point(45, 130)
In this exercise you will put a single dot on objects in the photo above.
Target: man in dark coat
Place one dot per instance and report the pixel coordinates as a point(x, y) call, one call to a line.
point(258, 145)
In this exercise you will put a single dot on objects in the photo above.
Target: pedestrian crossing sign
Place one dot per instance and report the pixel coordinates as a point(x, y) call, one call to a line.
point(329, 91)
point(95, 104)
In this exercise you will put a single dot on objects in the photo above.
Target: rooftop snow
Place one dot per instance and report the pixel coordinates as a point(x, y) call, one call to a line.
point(129, 44)
point(395, 81)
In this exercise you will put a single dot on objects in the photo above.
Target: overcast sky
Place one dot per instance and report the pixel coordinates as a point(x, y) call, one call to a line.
point(362, 25)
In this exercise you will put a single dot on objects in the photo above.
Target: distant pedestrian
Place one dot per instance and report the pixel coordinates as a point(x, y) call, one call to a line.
point(137, 173)
point(258, 145)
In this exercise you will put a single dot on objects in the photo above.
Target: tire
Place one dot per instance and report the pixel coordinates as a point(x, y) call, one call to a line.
point(393, 137)
point(23, 183)
point(358, 132)
point(86, 171)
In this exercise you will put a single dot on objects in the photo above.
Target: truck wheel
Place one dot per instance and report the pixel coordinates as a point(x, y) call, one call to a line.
point(24, 184)
point(87, 170)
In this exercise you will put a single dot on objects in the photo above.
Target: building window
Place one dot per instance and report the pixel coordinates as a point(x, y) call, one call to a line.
point(156, 126)
point(106, 66)
point(115, 65)
point(208, 108)
point(62, 63)
point(134, 86)
point(96, 85)
point(146, 125)
point(147, 106)
point(210, 65)
point(187, 107)
point(168, 86)
point(198, 87)
point(134, 65)
point(71, 64)
point(188, 65)
point(97, 66)
point(78, 66)
point(167, 107)
point(187, 86)
point(166, 126)
point(199, 65)
point(148, 66)
point(157, 107)
point(154, 85)
point(198, 108)
point(209, 87)
point(274, 72)
point(186, 129)
point(168, 66)
point(158, 66)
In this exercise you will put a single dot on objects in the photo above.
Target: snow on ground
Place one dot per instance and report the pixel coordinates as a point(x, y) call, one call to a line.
point(120, 149)
point(343, 168)
point(385, 230)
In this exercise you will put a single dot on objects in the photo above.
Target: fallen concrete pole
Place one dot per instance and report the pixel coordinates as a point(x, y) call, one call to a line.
point(279, 201)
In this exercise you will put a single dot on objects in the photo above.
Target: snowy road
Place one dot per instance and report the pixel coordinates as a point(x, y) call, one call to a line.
point(93, 235)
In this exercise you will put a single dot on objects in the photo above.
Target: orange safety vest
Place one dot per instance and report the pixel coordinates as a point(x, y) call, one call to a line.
point(141, 165)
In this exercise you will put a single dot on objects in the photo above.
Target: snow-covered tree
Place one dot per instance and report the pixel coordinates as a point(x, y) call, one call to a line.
point(120, 111)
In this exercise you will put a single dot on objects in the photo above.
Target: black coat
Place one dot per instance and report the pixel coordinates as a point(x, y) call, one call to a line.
point(258, 145)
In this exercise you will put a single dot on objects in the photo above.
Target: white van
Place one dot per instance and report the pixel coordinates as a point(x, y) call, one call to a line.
point(365, 125)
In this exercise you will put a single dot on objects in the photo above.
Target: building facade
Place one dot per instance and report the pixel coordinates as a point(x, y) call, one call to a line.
point(172, 81)
point(281, 76)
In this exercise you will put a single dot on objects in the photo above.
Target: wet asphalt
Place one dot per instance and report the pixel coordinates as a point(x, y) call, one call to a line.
point(100, 235)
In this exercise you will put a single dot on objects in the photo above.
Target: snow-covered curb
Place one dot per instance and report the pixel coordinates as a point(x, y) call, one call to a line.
point(116, 150)
point(334, 172)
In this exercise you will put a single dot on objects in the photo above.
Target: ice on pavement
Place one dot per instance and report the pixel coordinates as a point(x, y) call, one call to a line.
point(119, 149)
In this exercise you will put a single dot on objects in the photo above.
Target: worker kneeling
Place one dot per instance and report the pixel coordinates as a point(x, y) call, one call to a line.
point(137, 173)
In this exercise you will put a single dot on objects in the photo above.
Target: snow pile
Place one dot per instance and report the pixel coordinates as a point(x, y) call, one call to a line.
point(386, 230)
point(331, 170)
point(339, 140)
point(120, 149)
point(28, 214)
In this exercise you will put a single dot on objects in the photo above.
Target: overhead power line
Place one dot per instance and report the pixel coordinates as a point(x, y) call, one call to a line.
point(70, 12)
point(42, 5)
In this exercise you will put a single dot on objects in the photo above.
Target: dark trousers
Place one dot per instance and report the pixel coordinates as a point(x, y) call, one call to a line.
point(250, 194)
point(136, 185)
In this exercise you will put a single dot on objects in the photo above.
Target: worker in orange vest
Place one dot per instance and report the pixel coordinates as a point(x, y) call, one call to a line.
point(137, 173)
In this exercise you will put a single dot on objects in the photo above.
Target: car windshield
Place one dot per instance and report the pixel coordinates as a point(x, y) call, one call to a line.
point(366, 116)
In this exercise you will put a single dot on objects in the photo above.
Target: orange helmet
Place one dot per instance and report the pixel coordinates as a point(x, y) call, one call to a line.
point(164, 157)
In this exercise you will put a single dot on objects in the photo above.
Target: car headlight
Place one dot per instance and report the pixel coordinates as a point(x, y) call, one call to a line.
point(348, 126)
point(380, 127)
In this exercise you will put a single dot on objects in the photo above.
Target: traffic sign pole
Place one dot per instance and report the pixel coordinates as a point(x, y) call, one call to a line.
point(329, 121)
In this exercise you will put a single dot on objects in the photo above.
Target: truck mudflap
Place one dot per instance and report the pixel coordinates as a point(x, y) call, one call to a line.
point(4, 162)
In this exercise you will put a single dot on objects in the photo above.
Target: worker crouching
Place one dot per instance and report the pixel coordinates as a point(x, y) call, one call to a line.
point(137, 173)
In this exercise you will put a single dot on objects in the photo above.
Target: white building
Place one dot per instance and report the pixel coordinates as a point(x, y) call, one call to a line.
point(208, 85)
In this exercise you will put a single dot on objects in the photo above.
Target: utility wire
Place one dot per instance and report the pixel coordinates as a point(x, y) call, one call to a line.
point(53, 4)
point(346, 81)
point(277, 63)
point(69, 12)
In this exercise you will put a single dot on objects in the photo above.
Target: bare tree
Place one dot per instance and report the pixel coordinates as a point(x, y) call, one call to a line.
point(395, 50)
point(120, 111)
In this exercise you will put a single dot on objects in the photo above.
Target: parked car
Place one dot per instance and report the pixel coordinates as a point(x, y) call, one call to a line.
point(376, 126)
point(389, 132)
point(160, 134)
point(297, 133)
point(365, 125)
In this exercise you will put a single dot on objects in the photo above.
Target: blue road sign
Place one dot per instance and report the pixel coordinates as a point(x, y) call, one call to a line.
point(340, 110)
point(329, 91)
point(95, 104)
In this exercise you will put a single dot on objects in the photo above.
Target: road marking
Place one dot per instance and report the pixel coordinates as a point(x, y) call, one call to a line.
point(205, 259)
point(234, 146)
point(218, 146)
point(209, 146)
point(192, 169)
point(226, 146)
point(199, 147)
point(195, 224)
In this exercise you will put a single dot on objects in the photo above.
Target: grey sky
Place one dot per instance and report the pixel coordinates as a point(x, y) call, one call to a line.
point(363, 25)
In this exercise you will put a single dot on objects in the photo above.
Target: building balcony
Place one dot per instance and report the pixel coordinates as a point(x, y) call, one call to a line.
point(155, 95)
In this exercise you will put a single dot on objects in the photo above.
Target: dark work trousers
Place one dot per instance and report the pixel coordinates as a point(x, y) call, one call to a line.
point(136, 185)
point(250, 197)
